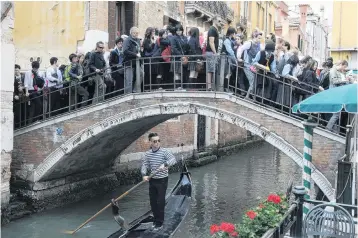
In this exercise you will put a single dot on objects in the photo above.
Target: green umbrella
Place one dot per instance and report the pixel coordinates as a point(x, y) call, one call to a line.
point(330, 101)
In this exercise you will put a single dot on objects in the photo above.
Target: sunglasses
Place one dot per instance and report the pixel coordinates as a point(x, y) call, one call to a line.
point(100, 47)
point(156, 141)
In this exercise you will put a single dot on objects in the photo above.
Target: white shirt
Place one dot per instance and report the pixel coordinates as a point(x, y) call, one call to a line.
point(28, 81)
point(52, 81)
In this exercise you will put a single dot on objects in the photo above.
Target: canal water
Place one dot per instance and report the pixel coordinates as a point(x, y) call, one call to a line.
point(222, 191)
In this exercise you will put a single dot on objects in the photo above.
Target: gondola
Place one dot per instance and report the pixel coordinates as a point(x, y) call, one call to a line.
point(176, 208)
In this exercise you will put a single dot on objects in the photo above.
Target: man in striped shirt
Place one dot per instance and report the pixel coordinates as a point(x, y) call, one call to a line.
point(157, 158)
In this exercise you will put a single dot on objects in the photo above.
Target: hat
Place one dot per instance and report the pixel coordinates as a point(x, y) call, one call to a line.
point(270, 46)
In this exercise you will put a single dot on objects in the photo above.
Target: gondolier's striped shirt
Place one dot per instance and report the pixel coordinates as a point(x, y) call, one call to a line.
point(153, 159)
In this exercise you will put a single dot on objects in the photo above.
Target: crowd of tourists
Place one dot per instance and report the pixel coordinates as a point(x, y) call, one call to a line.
point(166, 58)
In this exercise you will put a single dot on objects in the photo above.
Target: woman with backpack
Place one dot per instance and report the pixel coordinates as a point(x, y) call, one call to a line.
point(162, 58)
point(246, 54)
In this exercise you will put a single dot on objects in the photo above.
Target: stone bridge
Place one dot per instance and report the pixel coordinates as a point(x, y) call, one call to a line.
point(47, 154)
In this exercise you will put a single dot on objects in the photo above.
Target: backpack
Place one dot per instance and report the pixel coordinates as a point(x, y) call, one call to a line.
point(66, 75)
point(166, 53)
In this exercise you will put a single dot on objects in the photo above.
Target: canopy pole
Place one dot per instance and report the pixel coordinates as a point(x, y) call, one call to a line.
point(308, 126)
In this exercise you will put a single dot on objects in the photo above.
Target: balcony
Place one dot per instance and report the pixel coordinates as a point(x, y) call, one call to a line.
point(210, 9)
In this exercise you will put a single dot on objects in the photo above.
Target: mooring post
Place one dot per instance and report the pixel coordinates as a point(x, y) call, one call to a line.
point(308, 125)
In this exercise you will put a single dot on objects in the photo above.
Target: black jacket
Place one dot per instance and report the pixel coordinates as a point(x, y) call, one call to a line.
point(179, 45)
point(116, 62)
point(131, 47)
point(96, 61)
point(194, 47)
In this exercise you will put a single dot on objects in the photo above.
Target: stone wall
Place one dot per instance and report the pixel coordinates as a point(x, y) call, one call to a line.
point(6, 103)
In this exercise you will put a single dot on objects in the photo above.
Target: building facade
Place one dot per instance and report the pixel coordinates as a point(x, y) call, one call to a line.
point(317, 36)
point(305, 30)
point(255, 14)
point(61, 28)
point(344, 41)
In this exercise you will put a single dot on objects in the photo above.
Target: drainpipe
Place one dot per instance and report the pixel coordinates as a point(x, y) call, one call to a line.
point(266, 19)
point(340, 26)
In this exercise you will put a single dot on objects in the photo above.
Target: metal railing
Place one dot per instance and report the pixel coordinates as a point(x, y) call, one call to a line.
point(141, 75)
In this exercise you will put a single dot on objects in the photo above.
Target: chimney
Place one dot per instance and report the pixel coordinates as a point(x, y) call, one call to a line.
point(303, 16)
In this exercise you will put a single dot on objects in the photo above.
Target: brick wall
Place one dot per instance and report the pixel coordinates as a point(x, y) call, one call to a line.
point(229, 133)
point(172, 134)
point(150, 15)
point(98, 15)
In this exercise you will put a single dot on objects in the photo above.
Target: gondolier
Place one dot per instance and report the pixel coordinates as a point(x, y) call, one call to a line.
point(157, 158)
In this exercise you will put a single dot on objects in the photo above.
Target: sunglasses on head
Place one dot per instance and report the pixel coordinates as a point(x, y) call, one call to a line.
point(155, 141)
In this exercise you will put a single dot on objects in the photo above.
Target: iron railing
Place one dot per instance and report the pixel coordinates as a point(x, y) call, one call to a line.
point(291, 224)
point(40, 105)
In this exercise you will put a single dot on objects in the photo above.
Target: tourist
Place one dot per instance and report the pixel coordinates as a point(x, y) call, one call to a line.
point(231, 61)
point(116, 64)
point(195, 62)
point(247, 53)
point(131, 52)
point(19, 97)
point(74, 77)
point(337, 77)
point(212, 53)
point(54, 83)
point(34, 83)
point(157, 158)
point(179, 48)
point(97, 64)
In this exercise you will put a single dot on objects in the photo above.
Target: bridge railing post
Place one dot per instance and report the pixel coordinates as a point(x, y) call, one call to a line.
point(138, 80)
point(220, 85)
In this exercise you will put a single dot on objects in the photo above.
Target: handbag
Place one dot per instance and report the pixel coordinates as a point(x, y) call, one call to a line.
point(199, 67)
point(184, 59)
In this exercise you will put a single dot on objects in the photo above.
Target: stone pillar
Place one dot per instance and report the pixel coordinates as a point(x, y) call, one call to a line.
point(7, 117)
point(6, 104)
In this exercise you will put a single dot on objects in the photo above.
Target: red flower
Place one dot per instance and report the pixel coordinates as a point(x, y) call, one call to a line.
point(251, 214)
point(227, 227)
point(234, 234)
point(214, 228)
point(274, 198)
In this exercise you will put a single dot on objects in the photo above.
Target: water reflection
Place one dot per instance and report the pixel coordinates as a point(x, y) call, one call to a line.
point(222, 191)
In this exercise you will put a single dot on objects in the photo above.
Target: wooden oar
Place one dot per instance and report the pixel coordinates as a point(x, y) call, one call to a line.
point(117, 199)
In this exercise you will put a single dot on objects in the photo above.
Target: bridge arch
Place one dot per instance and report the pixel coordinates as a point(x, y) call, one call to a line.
point(159, 113)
